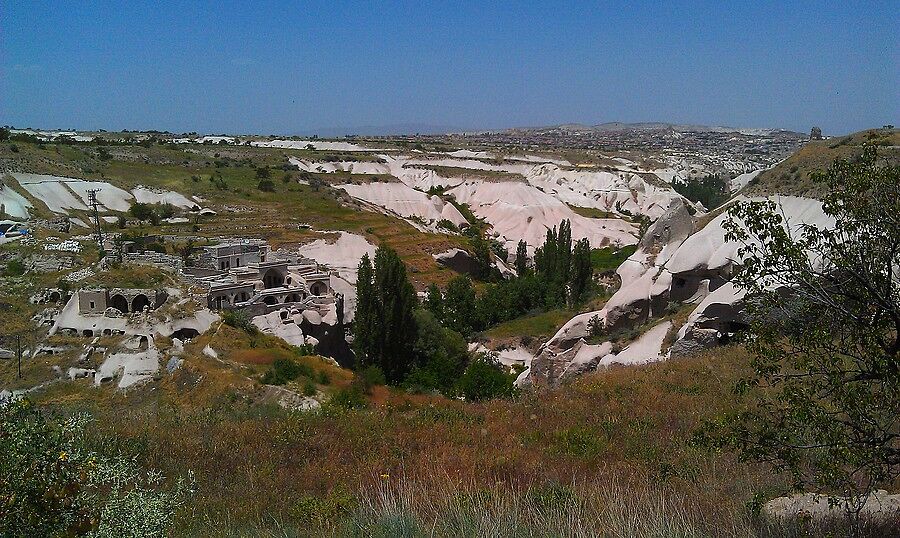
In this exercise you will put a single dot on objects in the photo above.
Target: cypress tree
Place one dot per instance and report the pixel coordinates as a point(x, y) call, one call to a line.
point(582, 270)
point(434, 302)
point(397, 299)
point(365, 322)
point(384, 328)
point(521, 258)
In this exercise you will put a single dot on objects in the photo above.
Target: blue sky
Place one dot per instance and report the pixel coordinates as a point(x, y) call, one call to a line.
point(290, 67)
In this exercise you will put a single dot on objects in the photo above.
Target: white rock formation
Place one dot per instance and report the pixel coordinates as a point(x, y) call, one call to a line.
point(672, 264)
point(879, 507)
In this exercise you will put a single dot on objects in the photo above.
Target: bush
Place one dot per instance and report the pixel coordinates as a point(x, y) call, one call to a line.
point(266, 185)
point(53, 484)
point(484, 379)
point(371, 376)
point(448, 225)
point(140, 211)
point(284, 370)
point(348, 398)
point(710, 191)
point(263, 172)
point(14, 268)
point(320, 511)
point(309, 388)
point(239, 320)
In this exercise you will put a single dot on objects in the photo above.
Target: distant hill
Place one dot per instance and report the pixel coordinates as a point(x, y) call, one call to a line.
point(793, 175)
point(382, 130)
point(616, 126)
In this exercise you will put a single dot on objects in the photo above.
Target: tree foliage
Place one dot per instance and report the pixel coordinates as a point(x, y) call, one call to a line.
point(485, 378)
point(824, 308)
point(521, 258)
point(384, 327)
point(441, 355)
point(52, 483)
point(709, 190)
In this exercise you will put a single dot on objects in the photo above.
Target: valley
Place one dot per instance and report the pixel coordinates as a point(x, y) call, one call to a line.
point(573, 323)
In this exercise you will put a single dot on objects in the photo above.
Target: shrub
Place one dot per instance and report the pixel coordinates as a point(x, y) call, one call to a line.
point(266, 185)
point(448, 225)
point(285, 370)
point(309, 388)
point(484, 379)
point(263, 172)
point(371, 376)
point(239, 320)
point(53, 484)
point(348, 398)
point(140, 211)
point(710, 191)
point(319, 511)
point(14, 268)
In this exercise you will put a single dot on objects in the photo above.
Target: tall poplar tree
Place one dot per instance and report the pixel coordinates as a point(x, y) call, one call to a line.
point(384, 327)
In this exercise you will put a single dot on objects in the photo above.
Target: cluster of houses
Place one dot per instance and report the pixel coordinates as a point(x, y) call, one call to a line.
point(239, 274)
point(244, 274)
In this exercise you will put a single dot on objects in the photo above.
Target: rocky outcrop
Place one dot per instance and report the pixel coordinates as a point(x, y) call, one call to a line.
point(880, 508)
point(457, 259)
point(672, 265)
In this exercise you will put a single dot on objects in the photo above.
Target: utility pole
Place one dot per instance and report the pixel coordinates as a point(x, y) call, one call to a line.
point(19, 353)
point(98, 229)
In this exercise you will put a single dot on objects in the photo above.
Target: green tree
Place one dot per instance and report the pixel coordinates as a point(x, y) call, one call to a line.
point(582, 271)
point(434, 302)
point(521, 258)
point(824, 309)
point(553, 263)
point(385, 332)
point(366, 321)
point(441, 355)
point(481, 252)
point(485, 378)
point(460, 305)
point(266, 185)
point(140, 211)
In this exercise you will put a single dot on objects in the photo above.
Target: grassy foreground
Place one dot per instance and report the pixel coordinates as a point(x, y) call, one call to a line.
point(610, 454)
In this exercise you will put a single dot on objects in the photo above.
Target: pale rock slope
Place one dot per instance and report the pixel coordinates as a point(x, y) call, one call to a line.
point(672, 264)
point(63, 194)
point(405, 201)
point(14, 204)
point(342, 255)
point(544, 189)
point(518, 211)
point(316, 144)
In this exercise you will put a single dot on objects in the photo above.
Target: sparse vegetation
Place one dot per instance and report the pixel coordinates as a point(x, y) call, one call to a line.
point(711, 190)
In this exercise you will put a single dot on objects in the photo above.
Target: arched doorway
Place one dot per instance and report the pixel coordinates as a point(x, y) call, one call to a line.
point(119, 302)
point(318, 288)
point(270, 300)
point(272, 279)
point(139, 302)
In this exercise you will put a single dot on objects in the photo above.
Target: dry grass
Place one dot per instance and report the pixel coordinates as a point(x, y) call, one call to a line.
point(255, 463)
point(794, 175)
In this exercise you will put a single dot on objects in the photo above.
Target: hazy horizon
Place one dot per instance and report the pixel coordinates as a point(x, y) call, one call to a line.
point(280, 68)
